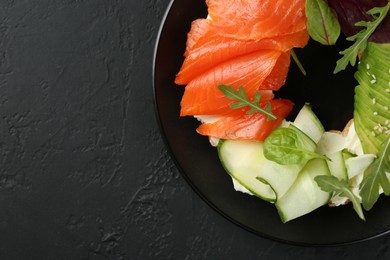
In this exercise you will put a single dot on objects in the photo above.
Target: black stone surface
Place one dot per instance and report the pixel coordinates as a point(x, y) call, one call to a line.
point(84, 173)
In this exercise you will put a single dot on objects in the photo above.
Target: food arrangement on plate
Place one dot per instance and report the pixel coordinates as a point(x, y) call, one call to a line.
point(237, 59)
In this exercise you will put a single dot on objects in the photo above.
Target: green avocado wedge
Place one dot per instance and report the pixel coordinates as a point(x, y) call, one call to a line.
point(372, 97)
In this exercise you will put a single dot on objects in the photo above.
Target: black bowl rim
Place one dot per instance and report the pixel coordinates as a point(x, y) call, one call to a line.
point(193, 186)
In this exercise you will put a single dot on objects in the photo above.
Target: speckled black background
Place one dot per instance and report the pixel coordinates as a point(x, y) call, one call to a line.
point(84, 173)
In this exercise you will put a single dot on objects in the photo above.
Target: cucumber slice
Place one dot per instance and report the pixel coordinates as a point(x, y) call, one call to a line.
point(332, 145)
point(358, 164)
point(281, 177)
point(337, 165)
point(311, 145)
point(309, 123)
point(243, 160)
point(304, 195)
point(347, 154)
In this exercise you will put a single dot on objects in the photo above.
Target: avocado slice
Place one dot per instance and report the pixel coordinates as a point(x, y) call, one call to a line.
point(372, 97)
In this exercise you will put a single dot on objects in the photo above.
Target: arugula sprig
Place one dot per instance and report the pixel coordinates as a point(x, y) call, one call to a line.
point(341, 188)
point(242, 101)
point(375, 177)
point(351, 53)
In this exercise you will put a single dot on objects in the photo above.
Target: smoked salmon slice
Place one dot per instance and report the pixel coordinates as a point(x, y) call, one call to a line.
point(217, 49)
point(200, 29)
point(203, 31)
point(255, 20)
point(241, 126)
point(242, 43)
point(202, 96)
point(277, 78)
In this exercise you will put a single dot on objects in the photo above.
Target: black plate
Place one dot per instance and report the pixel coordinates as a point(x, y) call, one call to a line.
point(332, 99)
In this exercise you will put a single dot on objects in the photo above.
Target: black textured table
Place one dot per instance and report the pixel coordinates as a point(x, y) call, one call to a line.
point(84, 173)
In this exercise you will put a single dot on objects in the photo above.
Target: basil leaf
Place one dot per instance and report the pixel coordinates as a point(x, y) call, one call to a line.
point(340, 187)
point(322, 24)
point(290, 146)
point(375, 177)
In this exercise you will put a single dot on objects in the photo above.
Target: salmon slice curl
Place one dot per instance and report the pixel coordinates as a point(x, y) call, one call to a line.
point(241, 43)
point(242, 126)
point(202, 96)
point(255, 20)
point(217, 49)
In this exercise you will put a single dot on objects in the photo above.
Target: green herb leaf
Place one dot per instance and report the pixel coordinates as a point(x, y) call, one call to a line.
point(375, 177)
point(243, 101)
point(340, 187)
point(298, 63)
point(322, 24)
point(290, 146)
point(351, 53)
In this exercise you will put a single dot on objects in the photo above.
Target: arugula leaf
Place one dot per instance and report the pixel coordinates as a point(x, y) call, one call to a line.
point(349, 12)
point(244, 101)
point(375, 177)
point(351, 53)
point(290, 146)
point(322, 24)
point(340, 187)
